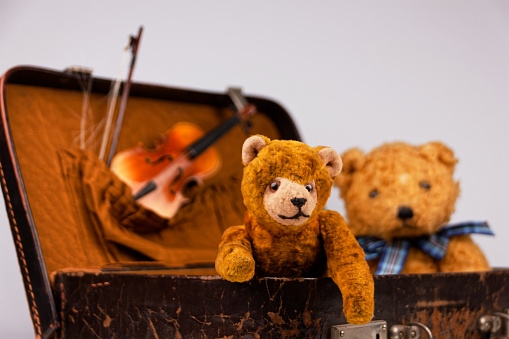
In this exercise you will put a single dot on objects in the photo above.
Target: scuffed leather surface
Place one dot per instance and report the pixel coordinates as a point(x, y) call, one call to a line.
point(127, 305)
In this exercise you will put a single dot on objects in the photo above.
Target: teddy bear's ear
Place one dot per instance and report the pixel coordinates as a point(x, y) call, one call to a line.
point(252, 146)
point(440, 152)
point(353, 160)
point(332, 160)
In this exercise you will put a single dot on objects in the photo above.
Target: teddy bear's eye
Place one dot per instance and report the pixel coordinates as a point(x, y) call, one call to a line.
point(309, 187)
point(425, 185)
point(373, 193)
point(274, 186)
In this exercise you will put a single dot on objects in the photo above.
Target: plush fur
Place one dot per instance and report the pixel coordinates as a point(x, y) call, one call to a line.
point(287, 232)
point(400, 190)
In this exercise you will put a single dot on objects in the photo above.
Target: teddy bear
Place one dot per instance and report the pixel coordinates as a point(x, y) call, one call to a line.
point(287, 232)
point(398, 201)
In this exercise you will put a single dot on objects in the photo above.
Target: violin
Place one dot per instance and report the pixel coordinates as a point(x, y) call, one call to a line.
point(182, 158)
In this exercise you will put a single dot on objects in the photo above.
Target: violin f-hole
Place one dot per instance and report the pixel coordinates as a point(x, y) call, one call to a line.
point(159, 160)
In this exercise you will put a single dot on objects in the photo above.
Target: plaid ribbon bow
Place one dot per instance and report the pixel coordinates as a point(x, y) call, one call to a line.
point(393, 253)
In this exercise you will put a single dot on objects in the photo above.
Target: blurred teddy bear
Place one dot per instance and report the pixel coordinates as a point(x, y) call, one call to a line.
point(398, 200)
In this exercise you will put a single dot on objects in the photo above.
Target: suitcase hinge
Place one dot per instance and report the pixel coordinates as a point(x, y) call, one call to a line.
point(496, 324)
point(410, 331)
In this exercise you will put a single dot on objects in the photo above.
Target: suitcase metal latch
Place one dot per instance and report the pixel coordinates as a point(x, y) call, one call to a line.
point(373, 330)
point(410, 331)
point(378, 330)
point(496, 324)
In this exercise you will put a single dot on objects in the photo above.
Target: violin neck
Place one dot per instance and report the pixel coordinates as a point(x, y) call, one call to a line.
point(198, 147)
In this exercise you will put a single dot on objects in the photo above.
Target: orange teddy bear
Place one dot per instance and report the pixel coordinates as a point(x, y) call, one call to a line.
point(398, 200)
point(287, 232)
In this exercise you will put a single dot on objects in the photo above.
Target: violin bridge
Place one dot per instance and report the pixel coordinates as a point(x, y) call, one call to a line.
point(177, 178)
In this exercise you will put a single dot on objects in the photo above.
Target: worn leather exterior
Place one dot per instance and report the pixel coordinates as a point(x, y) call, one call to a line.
point(158, 304)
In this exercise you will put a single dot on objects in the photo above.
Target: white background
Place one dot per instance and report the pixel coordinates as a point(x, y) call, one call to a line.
point(356, 73)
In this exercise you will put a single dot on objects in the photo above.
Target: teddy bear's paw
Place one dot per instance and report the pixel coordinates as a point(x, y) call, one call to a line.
point(236, 266)
point(359, 311)
point(359, 319)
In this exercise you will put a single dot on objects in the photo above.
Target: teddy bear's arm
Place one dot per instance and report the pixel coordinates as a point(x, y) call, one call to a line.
point(463, 255)
point(234, 261)
point(348, 268)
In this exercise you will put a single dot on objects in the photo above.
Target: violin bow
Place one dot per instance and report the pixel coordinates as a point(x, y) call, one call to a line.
point(134, 44)
point(112, 100)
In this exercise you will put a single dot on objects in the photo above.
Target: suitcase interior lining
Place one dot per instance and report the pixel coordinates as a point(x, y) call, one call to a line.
point(45, 125)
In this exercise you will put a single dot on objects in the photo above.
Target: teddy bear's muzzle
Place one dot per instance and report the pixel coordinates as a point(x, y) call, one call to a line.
point(405, 212)
point(299, 203)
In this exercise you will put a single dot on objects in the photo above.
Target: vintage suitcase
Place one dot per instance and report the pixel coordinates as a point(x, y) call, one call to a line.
point(97, 265)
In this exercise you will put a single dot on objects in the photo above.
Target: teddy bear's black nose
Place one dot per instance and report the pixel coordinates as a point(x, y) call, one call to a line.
point(299, 202)
point(405, 212)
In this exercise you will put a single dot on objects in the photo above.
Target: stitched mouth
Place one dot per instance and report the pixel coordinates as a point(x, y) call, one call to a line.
point(405, 225)
point(296, 216)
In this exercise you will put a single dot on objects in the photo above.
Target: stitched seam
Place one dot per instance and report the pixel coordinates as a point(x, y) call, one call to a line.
point(19, 247)
point(62, 305)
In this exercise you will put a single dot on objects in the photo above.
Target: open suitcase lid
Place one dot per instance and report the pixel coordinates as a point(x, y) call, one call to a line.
point(17, 172)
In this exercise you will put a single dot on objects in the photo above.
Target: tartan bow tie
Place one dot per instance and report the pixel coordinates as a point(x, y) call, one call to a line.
point(393, 253)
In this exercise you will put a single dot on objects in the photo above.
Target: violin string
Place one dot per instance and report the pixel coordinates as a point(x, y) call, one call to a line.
point(86, 110)
point(91, 132)
point(92, 141)
point(112, 100)
point(92, 129)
